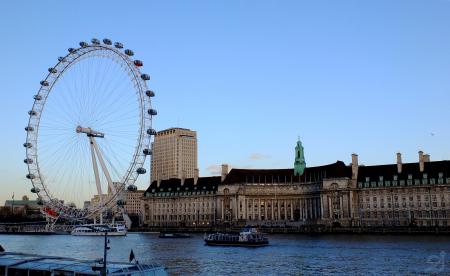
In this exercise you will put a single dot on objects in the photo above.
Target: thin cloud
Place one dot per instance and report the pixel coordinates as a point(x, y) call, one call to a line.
point(258, 156)
point(214, 169)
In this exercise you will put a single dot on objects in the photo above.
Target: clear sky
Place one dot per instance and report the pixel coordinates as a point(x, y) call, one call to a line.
point(371, 77)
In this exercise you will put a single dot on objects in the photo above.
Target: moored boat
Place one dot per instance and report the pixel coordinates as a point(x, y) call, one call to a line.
point(99, 230)
point(27, 264)
point(249, 236)
point(167, 235)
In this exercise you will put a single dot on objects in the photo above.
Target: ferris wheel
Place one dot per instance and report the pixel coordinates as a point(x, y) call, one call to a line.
point(93, 108)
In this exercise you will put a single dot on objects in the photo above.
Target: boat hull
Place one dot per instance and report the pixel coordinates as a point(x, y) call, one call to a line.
point(99, 234)
point(99, 230)
point(173, 236)
point(227, 243)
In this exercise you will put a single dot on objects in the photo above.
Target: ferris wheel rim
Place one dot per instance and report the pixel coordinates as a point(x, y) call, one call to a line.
point(145, 123)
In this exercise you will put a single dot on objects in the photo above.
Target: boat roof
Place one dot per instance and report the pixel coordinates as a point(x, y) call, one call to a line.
point(61, 264)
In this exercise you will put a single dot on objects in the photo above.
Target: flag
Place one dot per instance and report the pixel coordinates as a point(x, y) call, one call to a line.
point(13, 196)
point(131, 256)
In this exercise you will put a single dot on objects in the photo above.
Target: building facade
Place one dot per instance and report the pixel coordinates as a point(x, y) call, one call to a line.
point(181, 202)
point(24, 207)
point(133, 202)
point(174, 154)
point(399, 194)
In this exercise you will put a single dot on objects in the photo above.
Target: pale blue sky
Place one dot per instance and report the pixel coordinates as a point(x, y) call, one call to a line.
point(371, 77)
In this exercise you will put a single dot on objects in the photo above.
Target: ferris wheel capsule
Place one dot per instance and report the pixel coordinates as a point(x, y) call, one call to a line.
point(35, 190)
point(132, 188)
point(150, 93)
point(71, 50)
point(118, 45)
point(141, 171)
point(129, 52)
point(95, 41)
point(107, 41)
point(151, 131)
point(52, 70)
point(138, 63)
point(37, 97)
point(32, 113)
point(147, 151)
point(152, 112)
point(44, 83)
point(61, 59)
point(28, 161)
point(27, 145)
point(29, 128)
point(30, 176)
point(145, 77)
point(83, 44)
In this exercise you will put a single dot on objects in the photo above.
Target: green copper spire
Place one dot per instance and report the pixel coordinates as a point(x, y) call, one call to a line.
point(300, 164)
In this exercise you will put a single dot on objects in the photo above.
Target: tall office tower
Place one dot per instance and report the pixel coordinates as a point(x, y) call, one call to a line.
point(174, 154)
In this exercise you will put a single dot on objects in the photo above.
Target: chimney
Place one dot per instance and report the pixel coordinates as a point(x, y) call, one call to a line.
point(158, 182)
point(399, 163)
point(224, 171)
point(196, 176)
point(426, 158)
point(355, 166)
point(421, 161)
point(183, 178)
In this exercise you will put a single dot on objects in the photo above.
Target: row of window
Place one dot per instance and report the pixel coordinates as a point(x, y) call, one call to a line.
point(404, 205)
point(406, 214)
point(403, 198)
point(182, 217)
point(185, 205)
point(186, 211)
point(164, 194)
point(409, 182)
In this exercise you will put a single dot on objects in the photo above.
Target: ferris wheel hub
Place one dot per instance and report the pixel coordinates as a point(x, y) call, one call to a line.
point(90, 132)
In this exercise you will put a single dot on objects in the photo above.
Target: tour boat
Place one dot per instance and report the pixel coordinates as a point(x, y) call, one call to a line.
point(249, 236)
point(99, 230)
point(29, 264)
point(166, 235)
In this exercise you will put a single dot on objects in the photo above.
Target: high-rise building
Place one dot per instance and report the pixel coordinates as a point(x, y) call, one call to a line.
point(174, 154)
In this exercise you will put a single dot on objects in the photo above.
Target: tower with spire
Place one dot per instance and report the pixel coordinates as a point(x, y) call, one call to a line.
point(299, 164)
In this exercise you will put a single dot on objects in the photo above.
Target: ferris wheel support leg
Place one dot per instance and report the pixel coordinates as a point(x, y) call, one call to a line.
point(108, 178)
point(97, 178)
point(103, 165)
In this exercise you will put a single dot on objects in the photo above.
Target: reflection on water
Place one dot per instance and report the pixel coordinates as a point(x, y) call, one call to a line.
point(287, 254)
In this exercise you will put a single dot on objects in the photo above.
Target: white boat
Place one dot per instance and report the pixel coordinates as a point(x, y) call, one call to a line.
point(99, 230)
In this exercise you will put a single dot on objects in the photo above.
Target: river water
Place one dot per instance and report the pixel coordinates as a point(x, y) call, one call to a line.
point(286, 255)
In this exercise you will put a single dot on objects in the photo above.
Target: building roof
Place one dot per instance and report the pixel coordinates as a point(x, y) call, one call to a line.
point(311, 174)
point(432, 169)
point(173, 128)
point(30, 203)
point(173, 185)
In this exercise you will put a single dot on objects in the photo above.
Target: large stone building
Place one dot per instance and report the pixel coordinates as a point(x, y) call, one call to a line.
point(335, 194)
point(174, 154)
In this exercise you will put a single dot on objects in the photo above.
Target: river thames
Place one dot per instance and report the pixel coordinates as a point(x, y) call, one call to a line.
point(286, 255)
